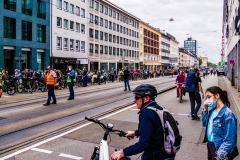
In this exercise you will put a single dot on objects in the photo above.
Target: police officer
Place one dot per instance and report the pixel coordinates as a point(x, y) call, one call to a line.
point(70, 81)
point(51, 80)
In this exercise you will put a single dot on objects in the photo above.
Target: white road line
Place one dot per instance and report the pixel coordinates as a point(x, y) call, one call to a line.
point(182, 114)
point(42, 150)
point(135, 109)
point(70, 156)
point(60, 135)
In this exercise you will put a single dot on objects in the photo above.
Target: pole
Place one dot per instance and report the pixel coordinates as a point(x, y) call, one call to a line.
point(19, 63)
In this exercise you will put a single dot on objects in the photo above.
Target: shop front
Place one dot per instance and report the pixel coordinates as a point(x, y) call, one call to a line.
point(63, 63)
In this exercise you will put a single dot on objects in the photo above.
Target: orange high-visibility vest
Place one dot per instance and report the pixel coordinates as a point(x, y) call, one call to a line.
point(50, 79)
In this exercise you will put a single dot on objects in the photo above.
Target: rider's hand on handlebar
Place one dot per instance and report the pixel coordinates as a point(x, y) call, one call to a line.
point(117, 155)
point(130, 134)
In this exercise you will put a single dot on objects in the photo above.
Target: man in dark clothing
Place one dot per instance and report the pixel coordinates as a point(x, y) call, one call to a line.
point(126, 74)
point(196, 97)
point(150, 131)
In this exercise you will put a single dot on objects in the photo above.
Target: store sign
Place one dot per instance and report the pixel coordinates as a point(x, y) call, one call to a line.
point(83, 61)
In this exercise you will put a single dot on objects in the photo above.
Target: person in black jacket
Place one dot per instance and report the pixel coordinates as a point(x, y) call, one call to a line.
point(126, 75)
point(150, 130)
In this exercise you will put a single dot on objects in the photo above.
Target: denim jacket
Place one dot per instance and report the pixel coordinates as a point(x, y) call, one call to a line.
point(224, 129)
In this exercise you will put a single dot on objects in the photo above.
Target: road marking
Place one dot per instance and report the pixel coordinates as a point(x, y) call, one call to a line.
point(182, 114)
point(42, 150)
point(138, 110)
point(70, 156)
point(60, 135)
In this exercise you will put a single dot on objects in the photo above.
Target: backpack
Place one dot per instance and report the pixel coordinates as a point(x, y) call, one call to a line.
point(190, 86)
point(172, 137)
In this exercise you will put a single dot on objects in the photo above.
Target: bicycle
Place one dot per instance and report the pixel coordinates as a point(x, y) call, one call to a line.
point(181, 91)
point(101, 152)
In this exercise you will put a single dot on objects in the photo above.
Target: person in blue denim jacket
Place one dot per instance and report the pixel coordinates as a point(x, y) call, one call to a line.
point(221, 125)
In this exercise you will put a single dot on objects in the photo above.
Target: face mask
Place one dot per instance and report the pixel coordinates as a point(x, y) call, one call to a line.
point(211, 103)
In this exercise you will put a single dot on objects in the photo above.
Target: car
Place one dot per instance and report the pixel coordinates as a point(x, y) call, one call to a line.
point(221, 73)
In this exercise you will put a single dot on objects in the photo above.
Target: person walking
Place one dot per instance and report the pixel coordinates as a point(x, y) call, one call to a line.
point(51, 80)
point(85, 74)
point(71, 78)
point(221, 125)
point(126, 79)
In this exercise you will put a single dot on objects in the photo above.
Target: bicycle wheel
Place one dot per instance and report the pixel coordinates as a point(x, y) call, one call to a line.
point(34, 87)
point(42, 87)
point(20, 88)
point(10, 90)
point(180, 95)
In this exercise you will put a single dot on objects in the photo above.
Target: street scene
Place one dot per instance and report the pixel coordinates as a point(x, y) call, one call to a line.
point(119, 80)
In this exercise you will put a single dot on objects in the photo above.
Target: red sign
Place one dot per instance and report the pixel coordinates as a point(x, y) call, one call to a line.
point(232, 61)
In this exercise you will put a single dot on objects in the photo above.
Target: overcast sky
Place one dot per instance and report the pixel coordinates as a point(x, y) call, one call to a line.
point(199, 19)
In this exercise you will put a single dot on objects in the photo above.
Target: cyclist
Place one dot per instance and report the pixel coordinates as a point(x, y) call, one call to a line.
point(180, 80)
point(149, 131)
point(27, 79)
point(1, 84)
point(59, 77)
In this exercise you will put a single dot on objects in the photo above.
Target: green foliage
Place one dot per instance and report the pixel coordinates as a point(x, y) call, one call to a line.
point(210, 64)
point(200, 61)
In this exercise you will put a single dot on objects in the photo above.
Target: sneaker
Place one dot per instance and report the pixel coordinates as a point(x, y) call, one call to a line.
point(177, 97)
point(193, 117)
point(196, 116)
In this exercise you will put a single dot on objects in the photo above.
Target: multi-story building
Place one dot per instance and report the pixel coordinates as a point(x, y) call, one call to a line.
point(204, 61)
point(150, 51)
point(186, 59)
point(113, 36)
point(174, 55)
point(25, 34)
point(69, 33)
point(191, 45)
point(165, 51)
point(231, 31)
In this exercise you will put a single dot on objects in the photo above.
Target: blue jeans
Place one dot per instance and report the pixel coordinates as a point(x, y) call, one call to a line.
point(51, 94)
point(126, 82)
point(195, 98)
point(85, 81)
point(70, 86)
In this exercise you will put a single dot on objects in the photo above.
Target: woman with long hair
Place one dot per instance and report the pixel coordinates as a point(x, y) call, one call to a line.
point(221, 125)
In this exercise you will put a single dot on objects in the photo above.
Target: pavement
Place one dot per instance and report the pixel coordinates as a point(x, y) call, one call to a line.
point(80, 142)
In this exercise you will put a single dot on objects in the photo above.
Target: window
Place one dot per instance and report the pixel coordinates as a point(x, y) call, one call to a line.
point(106, 36)
point(65, 24)
point(121, 51)
point(118, 51)
point(71, 44)
point(59, 4)
point(91, 18)
point(114, 26)
point(59, 22)
point(77, 46)
point(96, 6)
point(90, 32)
point(96, 34)
point(110, 38)
point(101, 8)
point(106, 49)
point(120, 17)
point(41, 9)
point(83, 46)
point(83, 12)
point(120, 29)
point(91, 48)
point(117, 39)
point(59, 43)
point(78, 11)
point(96, 48)
point(123, 41)
point(114, 38)
point(106, 23)
point(110, 25)
point(110, 50)
point(26, 31)
point(114, 14)
point(83, 28)
point(101, 49)
point(101, 35)
point(91, 3)
point(96, 20)
point(65, 6)
point(101, 21)
point(117, 27)
point(106, 10)
point(110, 12)
point(41, 33)
point(130, 32)
point(10, 4)
point(27, 7)
point(77, 27)
point(114, 50)
point(124, 19)
point(72, 25)
point(124, 30)
point(117, 16)
point(71, 8)
point(120, 40)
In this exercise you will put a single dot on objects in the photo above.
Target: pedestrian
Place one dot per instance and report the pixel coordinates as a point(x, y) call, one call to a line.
point(1, 83)
point(51, 80)
point(221, 125)
point(150, 131)
point(85, 74)
point(71, 78)
point(126, 79)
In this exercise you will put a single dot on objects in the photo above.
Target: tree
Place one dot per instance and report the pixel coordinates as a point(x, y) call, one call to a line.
point(200, 61)
point(210, 64)
point(219, 63)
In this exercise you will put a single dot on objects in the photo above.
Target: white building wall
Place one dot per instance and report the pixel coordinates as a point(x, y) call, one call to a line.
point(174, 51)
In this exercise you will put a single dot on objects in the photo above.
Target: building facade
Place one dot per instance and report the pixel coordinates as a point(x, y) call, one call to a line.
point(113, 37)
point(69, 34)
point(25, 34)
point(204, 61)
point(191, 45)
point(165, 51)
point(186, 59)
point(174, 55)
point(150, 51)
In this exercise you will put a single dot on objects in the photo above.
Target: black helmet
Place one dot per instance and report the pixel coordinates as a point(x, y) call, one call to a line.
point(146, 90)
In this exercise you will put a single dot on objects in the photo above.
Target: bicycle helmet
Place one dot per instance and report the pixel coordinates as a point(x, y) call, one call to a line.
point(146, 90)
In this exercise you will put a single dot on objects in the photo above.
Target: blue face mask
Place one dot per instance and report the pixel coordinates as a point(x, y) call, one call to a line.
point(211, 103)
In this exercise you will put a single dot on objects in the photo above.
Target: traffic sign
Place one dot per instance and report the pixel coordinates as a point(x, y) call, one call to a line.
point(232, 61)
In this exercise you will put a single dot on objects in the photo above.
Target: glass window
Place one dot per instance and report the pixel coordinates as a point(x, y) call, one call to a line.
point(118, 39)
point(101, 48)
point(106, 10)
point(9, 27)
point(41, 33)
point(10, 4)
point(77, 46)
point(101, 21)
point(106, 49)
point(101, 8)
point(65, 24)
point(71, 25)
point(101, 35)
point(72, 8)
point(83, 12)
point(91, 18)
point(77, 27)
point(77, 11)
point(114, 50)
point(96, 34)
point(91, 3)
point(121, 51)
point(59, 4)
point(96, 6)
point(26, 31)
point(41, 9)
point(120, 17)
point(96, 20)
point(91, 48)
point(91, 32)
point(114, 38)
point(110, 38)
point(65, 6)
point(59, 22)
point(110, 50)
point(110, 12)
point(59, 43)
point(114, 14)
point(71, 44)
point(27, 7)
point(117, 16)
point(83, 46)
point(114, 26)
point(118, 51)
point(96, 48)
point(83, 28)
point(106, 23)
point(110, 25)
point(65, 43)
point(106, 36)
